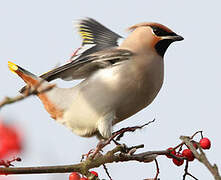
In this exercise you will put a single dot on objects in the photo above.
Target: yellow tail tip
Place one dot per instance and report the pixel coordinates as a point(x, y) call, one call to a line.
point(12, 67)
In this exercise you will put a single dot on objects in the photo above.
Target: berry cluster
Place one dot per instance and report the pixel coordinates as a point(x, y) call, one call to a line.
point(76, 176)
point(10, 141)
point(187, 153)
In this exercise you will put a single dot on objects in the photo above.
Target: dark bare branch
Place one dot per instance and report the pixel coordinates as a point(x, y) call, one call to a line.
point(201, 157)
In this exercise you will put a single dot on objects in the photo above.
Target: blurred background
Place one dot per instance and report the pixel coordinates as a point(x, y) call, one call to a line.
point(38, 35)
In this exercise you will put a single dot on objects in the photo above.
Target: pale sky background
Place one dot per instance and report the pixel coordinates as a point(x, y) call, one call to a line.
point(38, 35)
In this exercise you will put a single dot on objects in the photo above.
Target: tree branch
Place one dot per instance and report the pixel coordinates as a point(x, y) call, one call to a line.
point(29, 92)
point(114, 155)
point(186, 173)
point(201, 157)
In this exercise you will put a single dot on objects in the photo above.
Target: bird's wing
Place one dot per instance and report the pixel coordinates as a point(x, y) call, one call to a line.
point(85, 66)
point(95, 37)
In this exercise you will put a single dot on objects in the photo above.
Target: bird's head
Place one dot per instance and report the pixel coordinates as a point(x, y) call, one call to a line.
point(155, 36)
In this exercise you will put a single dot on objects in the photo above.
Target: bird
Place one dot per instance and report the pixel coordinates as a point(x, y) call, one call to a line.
point(119, 80)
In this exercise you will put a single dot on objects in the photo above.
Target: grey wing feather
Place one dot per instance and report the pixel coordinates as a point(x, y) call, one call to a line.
point(94, 33)
point(88, 64)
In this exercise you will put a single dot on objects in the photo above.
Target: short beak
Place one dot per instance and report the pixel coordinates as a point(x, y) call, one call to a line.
point(174, 37)
point(177, 38)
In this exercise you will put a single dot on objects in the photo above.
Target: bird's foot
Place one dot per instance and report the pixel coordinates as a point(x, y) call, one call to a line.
point(101, 144)
point(118, 135)
point(85, 156)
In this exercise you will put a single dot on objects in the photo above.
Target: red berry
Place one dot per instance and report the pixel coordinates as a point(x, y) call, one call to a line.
point(10, 143)
point(84, 178)
point(205, 143)
point(171, 151)
point(178, 162)
point(194, 144)
point(188, 154)
point(95, 173)
point(74, 176)
point(3, 150)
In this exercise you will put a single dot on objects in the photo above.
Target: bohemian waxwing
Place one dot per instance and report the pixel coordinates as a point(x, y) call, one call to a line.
point(118, 81)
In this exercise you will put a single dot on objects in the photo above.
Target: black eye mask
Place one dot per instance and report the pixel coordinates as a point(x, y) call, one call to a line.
point(161, 32)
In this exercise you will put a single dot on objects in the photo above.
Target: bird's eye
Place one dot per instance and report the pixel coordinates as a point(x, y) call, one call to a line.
point(161, 32)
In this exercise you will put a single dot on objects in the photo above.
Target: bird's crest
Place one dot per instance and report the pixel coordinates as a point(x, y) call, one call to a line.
point(151, 24)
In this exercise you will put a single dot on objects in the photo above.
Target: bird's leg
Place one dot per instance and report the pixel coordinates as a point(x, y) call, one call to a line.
point(119, 134)
point(86, 155)
point(102, 143)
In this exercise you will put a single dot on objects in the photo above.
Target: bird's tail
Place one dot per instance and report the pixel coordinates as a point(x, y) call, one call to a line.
point(30, 79)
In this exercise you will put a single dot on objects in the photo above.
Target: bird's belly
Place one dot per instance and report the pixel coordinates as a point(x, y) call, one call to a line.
point(136, 101)
point(110, 90)
point(80, 117)
point(123, 93)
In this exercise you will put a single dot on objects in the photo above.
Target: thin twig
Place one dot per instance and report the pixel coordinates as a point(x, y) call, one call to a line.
point(28, 92)
point(196, 134)
point(191, 137)
point(134, 147)
point(130, 129)
point(201, 157)
point(106, 170)
point(186, 173)
point(8, 163)
point(158, 170)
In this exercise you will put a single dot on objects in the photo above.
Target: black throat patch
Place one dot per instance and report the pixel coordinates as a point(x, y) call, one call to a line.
point(162, 46)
